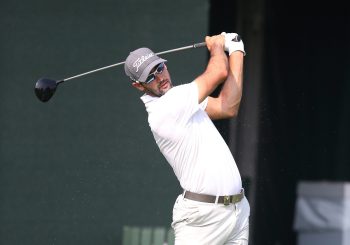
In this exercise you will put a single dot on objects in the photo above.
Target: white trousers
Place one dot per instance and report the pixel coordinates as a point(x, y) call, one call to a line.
point(199, 223)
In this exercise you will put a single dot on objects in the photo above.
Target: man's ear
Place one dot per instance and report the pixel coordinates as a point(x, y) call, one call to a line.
point(138, 86)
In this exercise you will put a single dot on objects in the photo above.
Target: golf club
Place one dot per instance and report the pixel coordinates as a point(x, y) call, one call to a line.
point(46, 87)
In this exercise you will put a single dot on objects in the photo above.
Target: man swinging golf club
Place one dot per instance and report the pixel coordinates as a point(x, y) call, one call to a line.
point(212, 208)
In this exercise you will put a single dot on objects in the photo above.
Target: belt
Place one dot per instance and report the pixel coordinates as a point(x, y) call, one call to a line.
point(226, 200)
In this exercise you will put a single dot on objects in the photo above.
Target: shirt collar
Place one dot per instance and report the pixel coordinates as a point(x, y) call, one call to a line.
point(147, 98)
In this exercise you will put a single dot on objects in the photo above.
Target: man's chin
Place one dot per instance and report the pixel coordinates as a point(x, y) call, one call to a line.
point(165, 88)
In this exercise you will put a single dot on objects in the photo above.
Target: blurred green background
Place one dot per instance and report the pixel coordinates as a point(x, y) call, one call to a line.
point(77, 168)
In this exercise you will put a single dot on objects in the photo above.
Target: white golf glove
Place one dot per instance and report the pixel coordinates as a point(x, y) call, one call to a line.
point(231, 45)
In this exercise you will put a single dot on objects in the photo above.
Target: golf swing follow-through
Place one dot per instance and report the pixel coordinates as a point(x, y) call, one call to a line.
point(212, 208)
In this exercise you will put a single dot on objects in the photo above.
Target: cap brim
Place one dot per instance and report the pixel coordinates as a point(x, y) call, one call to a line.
point(148, 69)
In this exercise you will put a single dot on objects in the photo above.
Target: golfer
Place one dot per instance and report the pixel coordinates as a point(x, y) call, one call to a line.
point(212, 208)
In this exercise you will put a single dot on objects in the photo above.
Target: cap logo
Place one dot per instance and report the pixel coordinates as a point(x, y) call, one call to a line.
point(141, 60)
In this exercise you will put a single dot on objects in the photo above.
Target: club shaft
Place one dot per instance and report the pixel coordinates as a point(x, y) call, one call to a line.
point(196, 45)
point(89, 72)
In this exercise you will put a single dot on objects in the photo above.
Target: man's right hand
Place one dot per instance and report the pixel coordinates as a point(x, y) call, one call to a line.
point(215, 41)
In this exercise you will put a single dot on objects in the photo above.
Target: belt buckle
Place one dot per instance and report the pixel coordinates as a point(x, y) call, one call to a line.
point(226, 200)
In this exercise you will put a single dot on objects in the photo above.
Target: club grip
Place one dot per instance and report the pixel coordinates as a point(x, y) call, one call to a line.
point(198, 45)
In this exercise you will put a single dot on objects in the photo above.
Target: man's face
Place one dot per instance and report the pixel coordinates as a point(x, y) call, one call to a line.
point(159, 85)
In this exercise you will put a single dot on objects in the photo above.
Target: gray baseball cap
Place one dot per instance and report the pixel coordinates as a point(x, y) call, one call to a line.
point(140, 62)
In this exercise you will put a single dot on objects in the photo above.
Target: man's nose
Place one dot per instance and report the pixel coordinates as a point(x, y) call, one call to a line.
point(159, 77)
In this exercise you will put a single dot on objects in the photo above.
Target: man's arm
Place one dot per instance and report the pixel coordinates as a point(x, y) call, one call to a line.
point(217, 68)
point(226, 105)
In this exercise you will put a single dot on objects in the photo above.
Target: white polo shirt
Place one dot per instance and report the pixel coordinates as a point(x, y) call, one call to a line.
point(190, 142)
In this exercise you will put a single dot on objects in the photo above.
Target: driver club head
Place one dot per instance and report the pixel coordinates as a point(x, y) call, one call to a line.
point(45, 88)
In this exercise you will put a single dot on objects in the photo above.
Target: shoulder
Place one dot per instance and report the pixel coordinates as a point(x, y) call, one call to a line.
point(181, 89)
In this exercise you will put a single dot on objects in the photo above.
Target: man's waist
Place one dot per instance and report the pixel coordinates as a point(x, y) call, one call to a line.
point(226, 200)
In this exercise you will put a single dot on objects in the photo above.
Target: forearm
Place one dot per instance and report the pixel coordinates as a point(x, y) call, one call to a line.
point(231, 92)
point(216, 71)
point(217, 67)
